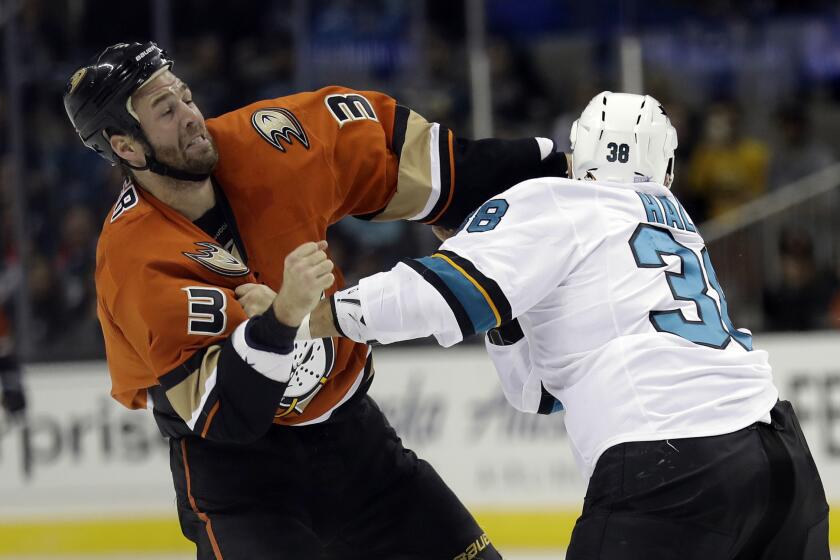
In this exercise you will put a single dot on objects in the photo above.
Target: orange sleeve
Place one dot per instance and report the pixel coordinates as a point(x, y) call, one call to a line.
point(345, 152)
point(357, 132)
point(392, 164)
point(388, 162)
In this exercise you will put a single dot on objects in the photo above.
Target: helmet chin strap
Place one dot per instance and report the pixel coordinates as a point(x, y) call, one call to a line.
point(153, 165)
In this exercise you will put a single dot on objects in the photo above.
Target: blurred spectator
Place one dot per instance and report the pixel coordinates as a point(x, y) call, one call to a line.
point(444, 94)
point(12, 395)
point(579, 95)
point(687, 123)
point(802, 298)
point(75, 260)
point(204, 64)
point(47, 300)
point(798, 152)
point(363, 248)
point(727, 169)
point(265, 66)
point(834, 312)
point(520, 103)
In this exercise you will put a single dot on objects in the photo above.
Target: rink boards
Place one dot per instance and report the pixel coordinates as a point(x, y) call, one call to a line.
point(86, 476)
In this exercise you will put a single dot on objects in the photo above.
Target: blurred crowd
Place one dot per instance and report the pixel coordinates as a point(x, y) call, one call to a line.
point(753, 115)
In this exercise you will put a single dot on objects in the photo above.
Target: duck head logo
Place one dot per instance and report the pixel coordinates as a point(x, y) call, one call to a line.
point(217, 259)
point(279, 127)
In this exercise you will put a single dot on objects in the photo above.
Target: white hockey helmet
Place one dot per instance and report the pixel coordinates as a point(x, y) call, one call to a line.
point(625, 138)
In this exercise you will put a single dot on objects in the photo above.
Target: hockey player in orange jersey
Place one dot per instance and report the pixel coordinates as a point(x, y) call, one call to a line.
point(277, 451)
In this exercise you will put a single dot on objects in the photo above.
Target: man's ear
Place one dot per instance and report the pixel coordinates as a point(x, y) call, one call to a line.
point(129, 149)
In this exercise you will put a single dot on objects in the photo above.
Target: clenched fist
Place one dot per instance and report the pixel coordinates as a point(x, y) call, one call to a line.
point(255, 299)
point(307, 273)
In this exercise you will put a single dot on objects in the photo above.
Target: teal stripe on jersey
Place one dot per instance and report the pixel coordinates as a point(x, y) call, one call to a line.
point(479, 311)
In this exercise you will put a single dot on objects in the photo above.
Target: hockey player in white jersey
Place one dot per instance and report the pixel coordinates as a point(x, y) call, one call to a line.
point(597, 292)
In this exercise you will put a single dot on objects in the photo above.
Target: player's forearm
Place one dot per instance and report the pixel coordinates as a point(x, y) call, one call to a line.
point(485, 168)
point(321, 323)
point(229, 392)
point(386, 307)
point(254, 370)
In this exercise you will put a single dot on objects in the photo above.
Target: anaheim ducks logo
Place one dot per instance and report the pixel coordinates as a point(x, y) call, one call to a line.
point(278, 126)
point(312, 364)
point(217, 259)
point(75, 79)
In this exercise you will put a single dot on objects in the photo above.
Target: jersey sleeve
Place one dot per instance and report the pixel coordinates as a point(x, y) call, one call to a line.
point(183, 348)
point(391, 163)
point(510, 254)
point(510, 352)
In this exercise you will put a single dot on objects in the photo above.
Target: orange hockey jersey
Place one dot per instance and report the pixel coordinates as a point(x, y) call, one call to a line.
point(288, 167)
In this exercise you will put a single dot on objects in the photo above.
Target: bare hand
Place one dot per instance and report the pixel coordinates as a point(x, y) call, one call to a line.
point(307, 273)
point(255, 299)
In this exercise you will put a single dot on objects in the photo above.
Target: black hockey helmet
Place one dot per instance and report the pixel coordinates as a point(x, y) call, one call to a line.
point(96, 96)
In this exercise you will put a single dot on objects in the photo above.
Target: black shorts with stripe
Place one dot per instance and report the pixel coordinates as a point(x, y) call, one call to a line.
point(342, 489)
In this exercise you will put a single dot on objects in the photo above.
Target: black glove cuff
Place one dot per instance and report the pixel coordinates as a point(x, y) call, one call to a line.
point(265, 332)
point(506, 334)
point(555, 165)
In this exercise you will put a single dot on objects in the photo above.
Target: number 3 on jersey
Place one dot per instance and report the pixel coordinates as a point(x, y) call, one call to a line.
point(715, 328)
point(206, 310)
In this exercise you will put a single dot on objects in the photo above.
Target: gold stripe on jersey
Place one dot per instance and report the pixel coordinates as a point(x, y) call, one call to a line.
point(185, 397)
point(414, 180)
point(478, 286)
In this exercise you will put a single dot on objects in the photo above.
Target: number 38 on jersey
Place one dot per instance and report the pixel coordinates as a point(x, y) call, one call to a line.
point(714, 327)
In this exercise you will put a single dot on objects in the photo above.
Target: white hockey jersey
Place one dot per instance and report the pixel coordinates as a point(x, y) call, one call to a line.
point(624, 320)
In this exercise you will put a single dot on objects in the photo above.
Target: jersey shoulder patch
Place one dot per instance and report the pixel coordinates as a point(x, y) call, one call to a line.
point(213, 257)
point(279, 127)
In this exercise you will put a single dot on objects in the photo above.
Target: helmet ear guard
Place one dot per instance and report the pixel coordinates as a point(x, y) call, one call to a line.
point(671, 138)
point(573, 134)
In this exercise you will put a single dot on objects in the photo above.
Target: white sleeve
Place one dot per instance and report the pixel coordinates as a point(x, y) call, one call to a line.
point(521, 385)
point(513, 366)
point(512, 252)
point(521, 241)
point(393, 306)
